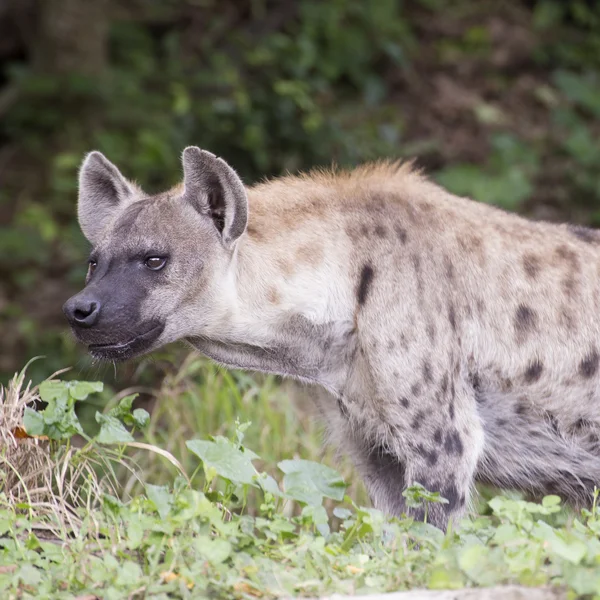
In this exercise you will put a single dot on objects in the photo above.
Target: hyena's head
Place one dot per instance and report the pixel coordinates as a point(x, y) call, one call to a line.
point(160, 266)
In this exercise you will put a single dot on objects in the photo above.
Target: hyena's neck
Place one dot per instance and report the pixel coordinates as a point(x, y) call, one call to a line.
point(290, 312)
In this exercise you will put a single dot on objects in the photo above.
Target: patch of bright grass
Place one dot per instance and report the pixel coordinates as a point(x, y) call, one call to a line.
point(220, 524)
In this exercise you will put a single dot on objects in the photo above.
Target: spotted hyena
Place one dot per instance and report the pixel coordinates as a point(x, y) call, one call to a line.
point(454, 342)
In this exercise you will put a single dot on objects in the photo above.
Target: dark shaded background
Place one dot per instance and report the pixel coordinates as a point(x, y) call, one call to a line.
point(498, 100)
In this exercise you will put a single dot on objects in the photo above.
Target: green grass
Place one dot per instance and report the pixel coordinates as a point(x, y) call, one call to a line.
point(200, 399)
point(194, 501)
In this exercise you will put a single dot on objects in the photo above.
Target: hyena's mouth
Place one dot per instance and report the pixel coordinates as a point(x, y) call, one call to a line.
point(125, 350)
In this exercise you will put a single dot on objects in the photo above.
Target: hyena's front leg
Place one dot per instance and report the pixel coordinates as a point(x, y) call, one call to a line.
point(436, 444)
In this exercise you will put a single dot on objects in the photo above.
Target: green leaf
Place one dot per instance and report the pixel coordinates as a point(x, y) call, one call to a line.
point(54, 391)
point(572, 550)
point(33, 422)
point(141, 417)
point(80, 390)
point(229, 461)
point(29, 575)
point(123, 409)
point(112, 431)
point(268, 484)
point(309, 481)
point(416, 494)
point(129, 572)
point(112, 505)
point(215, 550)
point(445, 579)
point(161, 497)
point(57, 421)
point(342, 513)
point(550, 501)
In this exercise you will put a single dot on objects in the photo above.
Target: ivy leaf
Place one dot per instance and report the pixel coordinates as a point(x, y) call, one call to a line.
point(308, 481)
point(58, 420)
point(215, 550)
point(572, 550)
point(161, 497)
point(33, 421)
point(112, 431)
point(229, 460)
point(122, 411)
point(141, 418)
point(80, 390)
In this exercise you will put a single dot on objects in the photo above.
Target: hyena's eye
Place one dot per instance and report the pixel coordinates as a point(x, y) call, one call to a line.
point(92, 264)
point(155, 263)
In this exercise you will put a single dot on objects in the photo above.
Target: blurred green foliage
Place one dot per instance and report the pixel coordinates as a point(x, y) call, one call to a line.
point(274, 86)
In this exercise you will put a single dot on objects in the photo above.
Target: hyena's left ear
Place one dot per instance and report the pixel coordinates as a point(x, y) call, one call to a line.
point(102, 192)
point(215, 190)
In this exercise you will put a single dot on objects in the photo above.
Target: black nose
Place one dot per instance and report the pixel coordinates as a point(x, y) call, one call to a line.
point(82, 311)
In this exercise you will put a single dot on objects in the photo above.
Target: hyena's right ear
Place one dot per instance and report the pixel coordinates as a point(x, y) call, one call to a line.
point(102, 192)
point(214, 189)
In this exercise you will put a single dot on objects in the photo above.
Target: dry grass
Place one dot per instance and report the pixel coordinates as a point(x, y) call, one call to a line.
point(59, 483)
point(56, 484)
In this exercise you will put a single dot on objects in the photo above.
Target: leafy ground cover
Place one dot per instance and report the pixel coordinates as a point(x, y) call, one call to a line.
point(84, 515)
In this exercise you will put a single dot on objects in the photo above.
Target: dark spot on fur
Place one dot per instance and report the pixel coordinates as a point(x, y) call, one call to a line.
point(475, 381)
point(416, 261)
point(415, 390)
point(364, 230)
point(567, 255)
point(582, 424)
point(444, 383)
point(566, 319)
point(531, 265)
point(521, 409)
point(553, 422)
point(501, 422)
point(380, 231)
point(449, 269)
point(404, 401)
point(431, 332)
point(391, 345)
point(480, 307)
point(585, 234)
point(534, 372)
point(438, 436)
point(403, 341)
point(453, 443)
point(525, 320)
point(570, 285)
point(366, 279)
point(427, 376)
point(400, 233)
point(343, 408)
point(452, 316)
point(451, 410)
point(418, 420)
point(588, 367)
point(451, 494)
